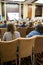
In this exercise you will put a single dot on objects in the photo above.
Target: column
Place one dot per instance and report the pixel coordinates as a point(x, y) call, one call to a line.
point(5, 10)
point(25, 10)
point(42, 11)
point(20, 10)
point(33, 10)
point(0, 11)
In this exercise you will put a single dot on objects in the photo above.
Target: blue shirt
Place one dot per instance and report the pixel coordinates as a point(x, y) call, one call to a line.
point(34, 32)
point(3, 26)
point(22, 25)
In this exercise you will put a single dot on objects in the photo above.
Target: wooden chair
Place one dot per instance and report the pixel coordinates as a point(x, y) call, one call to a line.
point(8, 51)
point(25, 47)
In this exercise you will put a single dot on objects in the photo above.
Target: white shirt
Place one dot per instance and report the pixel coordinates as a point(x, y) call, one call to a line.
point(8, 36)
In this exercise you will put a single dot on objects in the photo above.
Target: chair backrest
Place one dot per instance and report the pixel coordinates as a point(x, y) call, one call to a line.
point(38, 47)
point(25, 47)
point(3, 30)
point(8, 50)
point(22, 31)
point(29, 29)
point(0, 34)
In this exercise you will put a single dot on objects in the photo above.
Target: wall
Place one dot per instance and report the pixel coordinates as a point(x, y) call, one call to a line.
point(27, 13)
point(30, 11)
point(25, 10)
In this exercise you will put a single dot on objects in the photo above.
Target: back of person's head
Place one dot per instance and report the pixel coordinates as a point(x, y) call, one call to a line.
point(5, 21)
point(39, 28)
point(10, 28)
point(17, 22)
point(30, 24)
point(24, 23)
point(0, 22)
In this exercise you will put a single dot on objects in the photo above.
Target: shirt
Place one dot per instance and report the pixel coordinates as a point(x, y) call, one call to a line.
point(34, 32)
point(8, 36)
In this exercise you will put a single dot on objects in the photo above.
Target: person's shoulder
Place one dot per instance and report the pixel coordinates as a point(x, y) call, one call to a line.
point(31, 34)
point(32, 31)
point(6, 32)
point(4, 26)
point(16, 32)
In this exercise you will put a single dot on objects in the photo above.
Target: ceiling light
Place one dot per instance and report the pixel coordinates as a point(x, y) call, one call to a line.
point(18, 0)
point(39, 1)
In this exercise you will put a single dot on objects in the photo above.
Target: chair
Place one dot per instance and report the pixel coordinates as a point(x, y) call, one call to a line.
point(38, 44)
point(25, 47)
point(22, 31)
point(29, 29)
point(8, 51)
point(38, 48)
point(3, 30)
point(0, 35)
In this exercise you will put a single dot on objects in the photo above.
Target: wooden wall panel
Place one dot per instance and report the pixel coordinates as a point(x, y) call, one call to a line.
point(30, 12)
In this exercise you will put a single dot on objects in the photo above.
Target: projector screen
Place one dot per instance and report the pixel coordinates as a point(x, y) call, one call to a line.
point(13, 16)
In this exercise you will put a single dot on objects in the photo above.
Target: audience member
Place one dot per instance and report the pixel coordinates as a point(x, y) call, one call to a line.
point(0, 24)
point(31, 24)
point(23, 25)
point(38, 31)
point(4, 25)
point(17, 24)
point(11, 33)
point(37, 22)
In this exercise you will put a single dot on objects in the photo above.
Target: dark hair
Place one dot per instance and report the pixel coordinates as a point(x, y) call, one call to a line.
point(39, 28)
point(30, 24)
point(5, 21)
point(10, 28)
point(24, 23)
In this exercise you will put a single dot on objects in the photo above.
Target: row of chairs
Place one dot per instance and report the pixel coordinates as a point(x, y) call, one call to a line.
point(23, 31)
point(20, 48)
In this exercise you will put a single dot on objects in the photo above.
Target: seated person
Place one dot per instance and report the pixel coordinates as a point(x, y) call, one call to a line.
point(23, 25)
point(4, 25)
point(0, 24)
point(37, 22)
point(17, 24)
point(38, 31)
point(11, 33)
point(31, 24)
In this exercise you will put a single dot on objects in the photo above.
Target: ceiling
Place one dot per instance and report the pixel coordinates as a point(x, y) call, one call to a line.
point(39, 1)
point(12, 1)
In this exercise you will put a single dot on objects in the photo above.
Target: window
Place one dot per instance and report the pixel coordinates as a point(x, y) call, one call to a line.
point(38, 11)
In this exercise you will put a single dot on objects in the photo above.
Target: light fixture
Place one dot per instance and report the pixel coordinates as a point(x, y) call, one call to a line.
point(18, 0)
point(39, 1)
